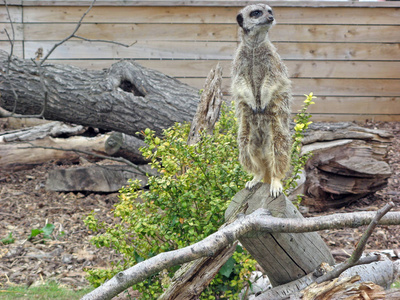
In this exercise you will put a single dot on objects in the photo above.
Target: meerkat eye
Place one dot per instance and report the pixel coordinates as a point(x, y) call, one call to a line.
point(256, 13)
point(270, 12)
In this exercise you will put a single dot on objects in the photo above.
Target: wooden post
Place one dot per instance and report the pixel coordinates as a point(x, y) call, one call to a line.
point(283, 256)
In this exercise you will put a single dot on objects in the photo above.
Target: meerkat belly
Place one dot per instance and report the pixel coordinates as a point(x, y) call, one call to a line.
point(260, 133)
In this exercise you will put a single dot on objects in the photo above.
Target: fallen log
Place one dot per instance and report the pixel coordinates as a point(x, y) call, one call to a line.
point(381, 273)
point(348, 162)
point(53, 129)
point(94, 178)
point(21, 156)
point(126, 97)
point(123, 145)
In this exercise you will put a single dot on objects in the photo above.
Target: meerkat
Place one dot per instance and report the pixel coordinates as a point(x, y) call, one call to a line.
point(261, 90)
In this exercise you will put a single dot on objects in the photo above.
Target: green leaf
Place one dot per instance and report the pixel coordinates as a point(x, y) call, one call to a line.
point(227, 268)
point(48, 230)
point(138, 258)
point(7, 240)
point(35, 232)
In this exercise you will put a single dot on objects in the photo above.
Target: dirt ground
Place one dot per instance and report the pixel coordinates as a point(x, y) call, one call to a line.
point(26, 205)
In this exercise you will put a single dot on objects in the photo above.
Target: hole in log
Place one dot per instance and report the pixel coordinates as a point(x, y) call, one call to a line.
point(129, 87)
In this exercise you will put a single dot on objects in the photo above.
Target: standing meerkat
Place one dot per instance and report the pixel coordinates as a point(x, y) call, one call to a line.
point(262, 93)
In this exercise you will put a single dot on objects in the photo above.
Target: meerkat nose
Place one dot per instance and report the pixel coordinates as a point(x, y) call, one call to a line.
point(270, 18)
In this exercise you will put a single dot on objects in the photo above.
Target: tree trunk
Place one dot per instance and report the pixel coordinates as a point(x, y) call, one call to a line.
point(348, 163)
point(127, 97)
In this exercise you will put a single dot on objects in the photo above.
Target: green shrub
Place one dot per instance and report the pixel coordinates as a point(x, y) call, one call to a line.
point(183, 205)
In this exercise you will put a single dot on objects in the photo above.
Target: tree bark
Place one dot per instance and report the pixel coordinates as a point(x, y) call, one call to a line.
point(210, 104)
point(127, 97)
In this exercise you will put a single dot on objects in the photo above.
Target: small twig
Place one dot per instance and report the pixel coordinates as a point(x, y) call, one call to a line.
point(70, 36)
point(73, 35)
point(11, 40)
point(354, 259)
point(13, 36)
point(104, 41)
point(118, 159)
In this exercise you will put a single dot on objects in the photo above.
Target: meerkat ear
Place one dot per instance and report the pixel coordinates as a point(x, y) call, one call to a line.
point(239, 19)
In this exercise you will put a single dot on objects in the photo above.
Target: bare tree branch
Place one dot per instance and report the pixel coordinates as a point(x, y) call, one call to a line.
point(73, 35)
point(356, 255)
point(78, 25)
point(260, 220)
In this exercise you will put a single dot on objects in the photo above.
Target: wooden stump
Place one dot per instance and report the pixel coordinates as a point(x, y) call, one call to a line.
point(283, 256)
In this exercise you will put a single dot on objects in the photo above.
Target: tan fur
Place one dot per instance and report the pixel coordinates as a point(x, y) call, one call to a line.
point(262, 94)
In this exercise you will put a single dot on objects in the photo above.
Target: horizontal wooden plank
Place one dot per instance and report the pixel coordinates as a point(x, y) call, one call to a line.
point(297, 69)
point(332, 51)
point(359, 118)
point(224, 15)
point(347, 87)
point(131, 14)
point(131, 32)
point(329, 87)
point(18, 30)
point(359, 105)
point(337, 15)
point(210, 3)
point(141, 50)
point(213, 32)
point(213, 50)
point(18, 48)
point(15, 13)
point(344, 69)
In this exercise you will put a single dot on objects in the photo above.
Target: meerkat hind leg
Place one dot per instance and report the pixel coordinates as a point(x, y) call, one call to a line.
point(276, 187)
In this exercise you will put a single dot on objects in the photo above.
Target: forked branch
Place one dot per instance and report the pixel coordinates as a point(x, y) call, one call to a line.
point(260, 220)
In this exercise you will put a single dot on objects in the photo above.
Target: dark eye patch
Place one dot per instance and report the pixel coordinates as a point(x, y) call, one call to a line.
point(270, 12)
point(256, 13)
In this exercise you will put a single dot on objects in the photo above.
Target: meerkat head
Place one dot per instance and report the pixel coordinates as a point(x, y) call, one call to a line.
point(255, 18)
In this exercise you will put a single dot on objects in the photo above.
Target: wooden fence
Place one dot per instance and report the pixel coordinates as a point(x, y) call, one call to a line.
point(347, 53)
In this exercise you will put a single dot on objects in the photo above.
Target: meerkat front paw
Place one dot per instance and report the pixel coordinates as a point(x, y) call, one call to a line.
point(276, 187)
point(252, 183)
